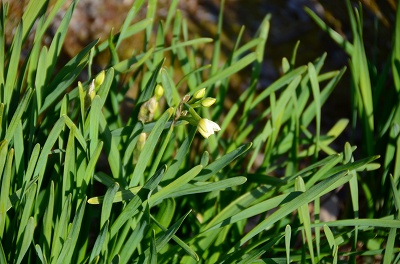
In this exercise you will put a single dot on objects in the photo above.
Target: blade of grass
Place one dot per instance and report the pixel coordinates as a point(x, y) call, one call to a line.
point(26, 240)
point(242, 63)
point(304, 216)
point(390, 244)
point(111, 149)
point(346, 45)
point(66, 76)
point(180, 155)
point(10, 88)
point(60, 229)
point(107, 203)
point(222, 162)
point(175, 185)
point(149, 147)
point(5, 188)
point(288, 235)
point(316, 93)
point(98, 244)
point(22, 106)
point(45, 239)
point(133, 11)
point(228, 218)
point(181, 243)
point(304, 198)
point(3, 16)
point(27, 210)
point(72, 238)
point(202, 187)
point(133, 242)
point(281, 82)
point(58, 40)
point(132, 207)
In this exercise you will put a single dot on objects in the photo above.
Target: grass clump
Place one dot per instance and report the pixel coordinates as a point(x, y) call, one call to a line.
point(80, 183)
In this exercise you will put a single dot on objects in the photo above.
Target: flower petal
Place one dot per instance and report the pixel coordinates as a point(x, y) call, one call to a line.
point(207, 127)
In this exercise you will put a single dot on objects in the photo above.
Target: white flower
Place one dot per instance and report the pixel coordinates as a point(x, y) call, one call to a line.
point(207, 127)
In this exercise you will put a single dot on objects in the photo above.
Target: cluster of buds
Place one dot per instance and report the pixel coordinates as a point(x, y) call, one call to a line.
point(146, 114)
point(205, 126)
point(149, 108)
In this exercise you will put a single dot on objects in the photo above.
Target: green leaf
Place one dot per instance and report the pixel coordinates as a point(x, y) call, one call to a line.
point(222, 162)
point(147, 93)
point(48, 220)
point(182, 244)
point(17, 115)
point(134, 239)
point(60, 229)
point(58, 40)
point(66, 76)
point(149, 148)
point(175, 185)
point(128, 20)
point(98, 244)
point(27, 210)
point(132, 207)
point(39, 252)
point(48, 145)
point(105, 86)
point(111, 149)
point(202, 187)
point(124, 195)
point(170, 232)
point(281, 82)
point(304, 198)
point(288, 235)
point(26, 240)
point(227, 217)
point(5, 188)
point(338, 38)
point(153, 249)
point(107, 203)
point(239, 65)
point(170, 90)
point(3, 259)
point(70, 242)
point(3, 155)
point(304, 216)
point(10, 88)
point(180, 155)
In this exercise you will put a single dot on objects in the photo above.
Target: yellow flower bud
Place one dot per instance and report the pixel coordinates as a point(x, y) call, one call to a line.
point(99, 80)
point(199, 94)
point(159, 91)
point(207, 102)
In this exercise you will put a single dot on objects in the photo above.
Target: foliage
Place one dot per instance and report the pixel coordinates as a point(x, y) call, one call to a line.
point(81, 184)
